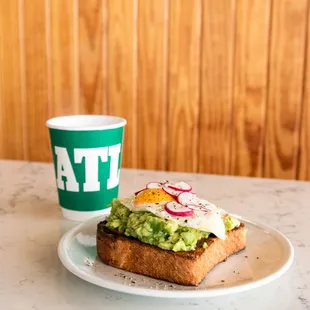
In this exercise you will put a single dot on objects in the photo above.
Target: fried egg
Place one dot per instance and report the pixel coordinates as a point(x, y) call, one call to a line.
point(154, 201)
point(152, 197)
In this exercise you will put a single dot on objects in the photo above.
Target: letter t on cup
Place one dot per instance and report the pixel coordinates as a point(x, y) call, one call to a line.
point(91, 165)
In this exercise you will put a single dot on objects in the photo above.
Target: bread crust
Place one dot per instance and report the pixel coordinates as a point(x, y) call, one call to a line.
point(186, 268)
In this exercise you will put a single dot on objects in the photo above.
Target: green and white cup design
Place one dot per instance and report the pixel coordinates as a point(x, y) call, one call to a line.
point(87, 152)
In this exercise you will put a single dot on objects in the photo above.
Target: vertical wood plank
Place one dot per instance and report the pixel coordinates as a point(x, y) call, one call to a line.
point(64, 57)
point(122, 71)
point(152, 71)
point(250, 86)
point(183, 81)
point(216, 86)
point(304, 158)
point(36, 75)
point(11, 101)
point(92, 68)
point(285, 87)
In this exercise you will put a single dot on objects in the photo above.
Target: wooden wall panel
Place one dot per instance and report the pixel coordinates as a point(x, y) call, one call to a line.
point(64, 53)
point(36, 79)
point(250, 87)
point(91, 54)
point(212, 86)
point(12, 138)
point(285, 87)
point(217, 49)
point(122, 71)
point(184, 84)
point(152, 81)
point(304, 158)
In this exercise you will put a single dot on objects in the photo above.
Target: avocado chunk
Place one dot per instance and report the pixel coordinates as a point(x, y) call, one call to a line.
point(230, 222)
point(118, 217)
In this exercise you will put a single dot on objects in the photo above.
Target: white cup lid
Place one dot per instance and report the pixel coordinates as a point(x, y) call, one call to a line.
point(86, 122)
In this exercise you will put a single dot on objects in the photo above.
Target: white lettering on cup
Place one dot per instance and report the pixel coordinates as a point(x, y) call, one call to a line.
point(91, 165)
point(114, 152)
point(64, 169)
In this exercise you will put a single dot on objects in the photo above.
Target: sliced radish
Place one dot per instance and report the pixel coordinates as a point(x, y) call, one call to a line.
point(154, 185)
point(181, 186)
point(136, 193)
point(171, 191)
point(177, 209)
point(197, 207)
point(187, 198)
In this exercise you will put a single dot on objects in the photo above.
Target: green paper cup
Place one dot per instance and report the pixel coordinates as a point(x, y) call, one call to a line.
point(87, 152)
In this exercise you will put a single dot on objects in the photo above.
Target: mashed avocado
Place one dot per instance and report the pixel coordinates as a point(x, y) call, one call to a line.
point(157, 231)
point(231, 223)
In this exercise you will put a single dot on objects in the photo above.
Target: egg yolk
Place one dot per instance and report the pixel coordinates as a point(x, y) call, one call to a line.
point(152, 195)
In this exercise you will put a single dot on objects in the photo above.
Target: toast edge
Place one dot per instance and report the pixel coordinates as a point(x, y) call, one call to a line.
point(185, 268)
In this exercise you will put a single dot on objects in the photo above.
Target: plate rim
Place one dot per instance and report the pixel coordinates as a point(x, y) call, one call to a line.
point(64, 257)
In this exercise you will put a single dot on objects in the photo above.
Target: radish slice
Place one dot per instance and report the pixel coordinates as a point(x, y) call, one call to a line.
point(181, 186)
point(154, 185)
point(171, 191)
point(136, 193)
point(186, 198)
point(176, 209)
point(198, 208)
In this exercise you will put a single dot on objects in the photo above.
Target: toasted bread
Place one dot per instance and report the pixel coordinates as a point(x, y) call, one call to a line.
point(186, 268)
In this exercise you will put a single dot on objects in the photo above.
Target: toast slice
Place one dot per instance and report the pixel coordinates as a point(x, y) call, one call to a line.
point(186, 268)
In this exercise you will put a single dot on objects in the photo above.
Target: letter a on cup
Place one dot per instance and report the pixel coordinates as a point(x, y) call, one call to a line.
point(64, 169)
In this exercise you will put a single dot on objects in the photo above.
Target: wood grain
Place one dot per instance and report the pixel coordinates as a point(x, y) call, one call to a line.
point(152, 81)
point(304, 156)
point(285, 87)
point(12, 139)
point(184, 84)
point(64, 58)
point(250, 87)
point(122, 71)
point(216, 85)
point(92, 66)
point(36, 75)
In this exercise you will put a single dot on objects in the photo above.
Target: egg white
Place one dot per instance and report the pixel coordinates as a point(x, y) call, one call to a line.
point(210, 221)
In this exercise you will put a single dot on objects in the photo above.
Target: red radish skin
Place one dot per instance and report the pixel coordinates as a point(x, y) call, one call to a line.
point(170, 191)
point(181, 186)
point(177, 209)
point(136, 193)
point(154, 185)
point(185, 198)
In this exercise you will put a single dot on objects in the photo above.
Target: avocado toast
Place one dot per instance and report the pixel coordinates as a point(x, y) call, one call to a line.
point(168, 233)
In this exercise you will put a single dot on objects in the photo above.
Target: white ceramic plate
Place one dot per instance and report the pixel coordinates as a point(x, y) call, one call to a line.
point(267, 256)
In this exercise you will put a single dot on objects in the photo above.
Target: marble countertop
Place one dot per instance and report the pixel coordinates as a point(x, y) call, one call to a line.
point(31, 224)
